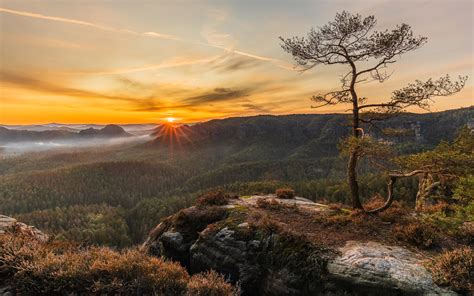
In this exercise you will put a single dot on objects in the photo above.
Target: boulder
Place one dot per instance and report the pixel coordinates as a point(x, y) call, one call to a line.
point(371, 267)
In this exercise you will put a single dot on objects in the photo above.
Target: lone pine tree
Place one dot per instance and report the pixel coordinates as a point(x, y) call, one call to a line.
point(351, 40)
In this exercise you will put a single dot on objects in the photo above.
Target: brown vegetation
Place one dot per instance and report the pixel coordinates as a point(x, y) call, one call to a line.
point(31, 267)
point(209, 284)
point(285, 193)
point(420, 235)
point(213, 198)
point(269, 204)
point(455, 269)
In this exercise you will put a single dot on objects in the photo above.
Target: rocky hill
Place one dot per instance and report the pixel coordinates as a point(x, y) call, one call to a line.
point(274, 246)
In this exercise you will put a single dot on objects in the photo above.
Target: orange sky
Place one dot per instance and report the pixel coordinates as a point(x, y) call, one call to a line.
point(144, 61)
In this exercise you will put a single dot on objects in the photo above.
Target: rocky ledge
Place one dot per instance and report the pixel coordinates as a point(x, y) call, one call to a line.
point(11, 224)
point(240, 240)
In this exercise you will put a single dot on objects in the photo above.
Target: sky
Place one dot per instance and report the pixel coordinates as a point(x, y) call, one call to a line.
point(133, 61)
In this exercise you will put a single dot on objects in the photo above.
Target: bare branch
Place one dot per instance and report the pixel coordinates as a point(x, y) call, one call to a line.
point(418, 94)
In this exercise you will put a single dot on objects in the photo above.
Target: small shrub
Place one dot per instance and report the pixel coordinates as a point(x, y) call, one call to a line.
point(455, 269)
point(269, 204)
point(209, 284)
point(337, 207)
point(35, 268)
point(213, 198)
point(440, 207)
point(397, 212)
point(285, 193)
point(191, 221)
point(420, 235)
point(267, 225)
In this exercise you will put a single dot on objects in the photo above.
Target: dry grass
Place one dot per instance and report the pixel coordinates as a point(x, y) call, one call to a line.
point(34, 268)
point(285, 193)
point(455, 269)
point(420, 235)
point(269, 204)
point(213, 198)
point(440, 207)
point(210, 284)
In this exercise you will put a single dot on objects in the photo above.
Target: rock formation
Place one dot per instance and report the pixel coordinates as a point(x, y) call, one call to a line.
point(237, 241)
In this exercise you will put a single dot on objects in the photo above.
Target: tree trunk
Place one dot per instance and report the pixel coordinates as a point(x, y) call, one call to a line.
point(352, 179)
point(426, 185)
point(354, 154)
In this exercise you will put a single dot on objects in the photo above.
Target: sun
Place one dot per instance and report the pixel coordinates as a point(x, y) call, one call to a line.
point(170, 119)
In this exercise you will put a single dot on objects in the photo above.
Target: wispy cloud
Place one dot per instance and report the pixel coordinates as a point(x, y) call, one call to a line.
point(172, 63)
point(46, 87)
point(233, 62)
point(87, 24)
point(218, 95)
point(276, 62)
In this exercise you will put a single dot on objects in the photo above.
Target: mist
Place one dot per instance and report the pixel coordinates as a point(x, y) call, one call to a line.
point(17, 148)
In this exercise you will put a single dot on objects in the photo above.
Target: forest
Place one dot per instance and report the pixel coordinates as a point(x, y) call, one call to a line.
point(114, 196)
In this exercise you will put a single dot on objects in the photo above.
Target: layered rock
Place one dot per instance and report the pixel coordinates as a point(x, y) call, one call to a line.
point(265, 260)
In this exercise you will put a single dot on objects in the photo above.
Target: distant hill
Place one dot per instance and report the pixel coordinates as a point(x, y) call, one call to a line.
point(8, 135)
point(303, 133)
point(111, 130)
point(15, 135)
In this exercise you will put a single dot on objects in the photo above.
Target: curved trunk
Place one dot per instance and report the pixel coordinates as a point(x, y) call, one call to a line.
point(389, 200)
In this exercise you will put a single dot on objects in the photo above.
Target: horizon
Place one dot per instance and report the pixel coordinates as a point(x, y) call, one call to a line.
point(126, 63)
point(224, 118)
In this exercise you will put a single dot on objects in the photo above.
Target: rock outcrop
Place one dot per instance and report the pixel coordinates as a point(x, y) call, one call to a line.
point(11, 224)
point(267, 260)
point(373, 266)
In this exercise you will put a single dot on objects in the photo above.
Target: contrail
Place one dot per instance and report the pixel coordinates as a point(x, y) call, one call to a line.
point(276, 62)
point(88, 24)
point(163, 65)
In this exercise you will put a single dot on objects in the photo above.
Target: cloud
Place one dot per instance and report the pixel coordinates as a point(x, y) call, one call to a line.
point(232, 62)
point(171, 63)
point(87, 24)
point(218, 95)
point(256, 108)
point(276, 62)
point(43, 86)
